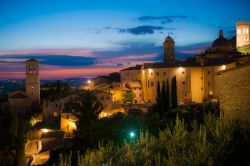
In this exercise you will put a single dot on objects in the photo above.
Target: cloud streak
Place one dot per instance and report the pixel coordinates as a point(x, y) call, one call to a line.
point(139, 30)
point(163, 19)
point(142, 30)
point(71, 52)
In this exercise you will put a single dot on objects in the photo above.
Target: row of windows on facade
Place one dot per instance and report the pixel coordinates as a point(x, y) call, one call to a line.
point(151, 84)
point(164, 73)
point(244, 30)
point(242, 38)
point(158, 73)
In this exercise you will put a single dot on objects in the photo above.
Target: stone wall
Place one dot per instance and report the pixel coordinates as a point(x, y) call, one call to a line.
point(234, 94)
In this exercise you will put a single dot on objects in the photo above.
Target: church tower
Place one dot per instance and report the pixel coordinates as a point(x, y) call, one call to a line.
point(169, 49)
point(33, 80)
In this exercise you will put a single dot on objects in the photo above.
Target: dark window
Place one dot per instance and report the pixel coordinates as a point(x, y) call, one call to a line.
point(183, 72)
point(164, 73)
point(183, 82)
point(185, 94)
point(208, 83)
point(201, 78)
point(157, 73)
point(152, 84)
point(208, 72)
point(56, 105)
point(151, 73)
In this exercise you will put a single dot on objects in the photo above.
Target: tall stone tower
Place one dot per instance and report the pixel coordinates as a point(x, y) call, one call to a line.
point(33, 80)
point(169, 50)
point(243, 34)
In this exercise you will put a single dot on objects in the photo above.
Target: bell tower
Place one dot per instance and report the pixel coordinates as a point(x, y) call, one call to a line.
point(33, 80)
point(169, 51)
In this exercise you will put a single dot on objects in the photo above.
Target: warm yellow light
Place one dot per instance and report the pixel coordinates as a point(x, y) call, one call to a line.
point(223, 67)
point(180, 69)
point(238, 31)
point(150, 71)
point(72, 124)
point(89, 81)
point(45, 130)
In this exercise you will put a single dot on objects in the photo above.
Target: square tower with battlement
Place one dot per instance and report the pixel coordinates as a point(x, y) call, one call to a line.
point(243, 34)
point(33, 80)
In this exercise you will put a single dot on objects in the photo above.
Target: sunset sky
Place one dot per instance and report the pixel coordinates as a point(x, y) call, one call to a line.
point(78, 38)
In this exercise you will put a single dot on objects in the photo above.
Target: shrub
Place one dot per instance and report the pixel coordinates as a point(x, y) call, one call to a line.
point(205, 144)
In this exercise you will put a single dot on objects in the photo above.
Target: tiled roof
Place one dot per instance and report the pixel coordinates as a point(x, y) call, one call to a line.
point(137, 67)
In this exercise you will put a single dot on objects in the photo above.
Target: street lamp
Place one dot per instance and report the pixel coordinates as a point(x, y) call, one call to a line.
point(45, 131)
point(132, 134)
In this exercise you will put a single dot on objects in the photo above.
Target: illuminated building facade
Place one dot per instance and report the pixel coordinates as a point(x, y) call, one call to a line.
point(195, 77)
point(242, 34)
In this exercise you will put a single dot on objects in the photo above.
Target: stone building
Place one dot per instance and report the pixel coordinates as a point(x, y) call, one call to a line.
point(195, 76)
point(33, 80)
point(28, 98)
point(234, 94)
point(169, 50)
point(243, 34)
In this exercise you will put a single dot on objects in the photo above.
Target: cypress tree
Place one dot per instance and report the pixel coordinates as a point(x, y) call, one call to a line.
point(163, 94)
point(167, 98)
point(159, 100)
point(174, 93)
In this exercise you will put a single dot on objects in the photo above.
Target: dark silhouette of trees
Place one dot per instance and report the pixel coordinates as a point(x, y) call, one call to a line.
point(89, 110)
point(167, 98)
point(159, 105)
point(174, 93)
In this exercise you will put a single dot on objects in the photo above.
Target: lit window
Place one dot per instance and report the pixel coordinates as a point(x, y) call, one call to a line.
point(247, 30)
point(211, 93)
point(55, 114)
point(223, 67)
point(238, 31)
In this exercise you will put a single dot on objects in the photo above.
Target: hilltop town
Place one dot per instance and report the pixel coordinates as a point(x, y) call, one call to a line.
point(219, 76)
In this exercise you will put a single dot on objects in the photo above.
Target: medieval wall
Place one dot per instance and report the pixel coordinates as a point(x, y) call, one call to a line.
point(234, 94)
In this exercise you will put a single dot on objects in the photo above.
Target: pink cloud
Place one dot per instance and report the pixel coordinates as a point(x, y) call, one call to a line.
point(72, 52)
point(17, 71)
point(193, 51)
point(10, 70)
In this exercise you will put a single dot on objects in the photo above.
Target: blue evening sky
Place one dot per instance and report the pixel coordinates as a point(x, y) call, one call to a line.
point(113, 28)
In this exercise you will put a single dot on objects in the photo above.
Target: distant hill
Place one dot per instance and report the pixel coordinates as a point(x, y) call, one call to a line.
point(7, 86)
